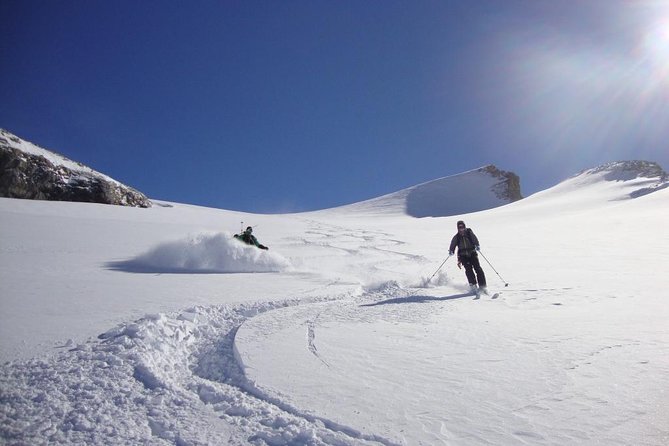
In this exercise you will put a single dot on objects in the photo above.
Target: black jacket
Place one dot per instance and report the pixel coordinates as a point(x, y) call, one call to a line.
point(466, 244)
point(249, 239)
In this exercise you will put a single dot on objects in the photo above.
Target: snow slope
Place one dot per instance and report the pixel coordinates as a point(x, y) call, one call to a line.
point(471, 191)
point(146, 326)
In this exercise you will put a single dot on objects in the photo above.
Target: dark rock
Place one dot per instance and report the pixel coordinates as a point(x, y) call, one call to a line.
point(508, 188)
point(30, 176)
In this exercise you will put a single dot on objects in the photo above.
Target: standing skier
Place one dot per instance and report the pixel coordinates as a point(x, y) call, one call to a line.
point(468, 245)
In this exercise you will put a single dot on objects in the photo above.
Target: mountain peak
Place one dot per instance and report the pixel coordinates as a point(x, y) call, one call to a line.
point(32, 172)
point(627, 170)
point(647, 176)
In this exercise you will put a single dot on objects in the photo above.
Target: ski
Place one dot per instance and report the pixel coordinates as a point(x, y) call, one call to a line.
point(478, 292)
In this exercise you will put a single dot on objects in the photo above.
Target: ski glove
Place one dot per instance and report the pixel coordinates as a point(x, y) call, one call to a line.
point(450, 253)
point(478, 248)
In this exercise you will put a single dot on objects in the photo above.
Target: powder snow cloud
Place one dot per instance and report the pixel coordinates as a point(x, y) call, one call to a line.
point(204, 253)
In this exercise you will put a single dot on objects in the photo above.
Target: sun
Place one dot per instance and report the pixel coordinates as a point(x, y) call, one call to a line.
point(656, 44)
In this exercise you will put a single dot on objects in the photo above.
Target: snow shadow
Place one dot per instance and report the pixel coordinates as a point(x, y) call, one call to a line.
point(204, 253)
point(443, 197)
point(416, 299)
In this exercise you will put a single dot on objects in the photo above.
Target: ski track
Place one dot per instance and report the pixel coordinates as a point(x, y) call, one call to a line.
point(172, 379)
point(164, 379)
point(353, 241)
point(311, 336)
point(167, 379)
point(178, 378)
point(562, 375)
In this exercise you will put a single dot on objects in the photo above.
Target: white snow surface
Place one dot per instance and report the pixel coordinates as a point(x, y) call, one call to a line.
point(153, 326)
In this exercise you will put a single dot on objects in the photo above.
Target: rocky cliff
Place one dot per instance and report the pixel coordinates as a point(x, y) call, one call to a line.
point(508, 187)
point(31, 172)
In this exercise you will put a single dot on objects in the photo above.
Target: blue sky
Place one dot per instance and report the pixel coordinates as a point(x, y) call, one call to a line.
point(273, 106)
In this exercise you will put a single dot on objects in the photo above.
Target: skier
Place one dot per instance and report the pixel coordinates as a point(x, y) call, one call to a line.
point(468, 245)
point(250, 239)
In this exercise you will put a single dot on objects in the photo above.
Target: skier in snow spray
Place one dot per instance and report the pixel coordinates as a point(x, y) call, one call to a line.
point(250, 239)
point(468, 245)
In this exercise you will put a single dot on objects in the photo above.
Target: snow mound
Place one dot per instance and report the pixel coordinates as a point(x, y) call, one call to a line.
point(439, 279)
point(164, 379)
point(472, 191)
point(386, 287)
point(205, 253)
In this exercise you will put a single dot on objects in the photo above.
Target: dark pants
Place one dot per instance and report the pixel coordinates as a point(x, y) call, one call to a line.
point(472, 264)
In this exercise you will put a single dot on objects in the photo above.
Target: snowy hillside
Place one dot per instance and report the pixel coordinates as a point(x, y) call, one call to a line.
point(476, 190)
point(152, 326)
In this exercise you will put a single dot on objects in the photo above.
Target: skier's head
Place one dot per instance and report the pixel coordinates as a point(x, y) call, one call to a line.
point(249, 229)
point(461, 225)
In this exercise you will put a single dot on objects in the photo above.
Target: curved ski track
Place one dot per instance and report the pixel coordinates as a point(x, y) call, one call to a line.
point(163, 379)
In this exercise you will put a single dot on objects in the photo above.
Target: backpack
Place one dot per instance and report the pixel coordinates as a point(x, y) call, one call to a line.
point(471, 251)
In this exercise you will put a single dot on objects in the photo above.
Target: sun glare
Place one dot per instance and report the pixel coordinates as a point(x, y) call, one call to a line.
point(656, 44)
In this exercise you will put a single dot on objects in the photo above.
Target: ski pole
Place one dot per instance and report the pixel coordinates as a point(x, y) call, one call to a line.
point(435, 273)
point(493, 268)
point(242, 226)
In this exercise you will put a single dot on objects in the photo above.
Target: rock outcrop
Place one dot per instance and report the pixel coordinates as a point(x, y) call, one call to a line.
point(31, 172)
point(508, 187)
point(648, 176)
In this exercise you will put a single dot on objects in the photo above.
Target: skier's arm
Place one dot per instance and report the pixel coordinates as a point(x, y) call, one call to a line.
point(257, 243)
point(454, 243)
